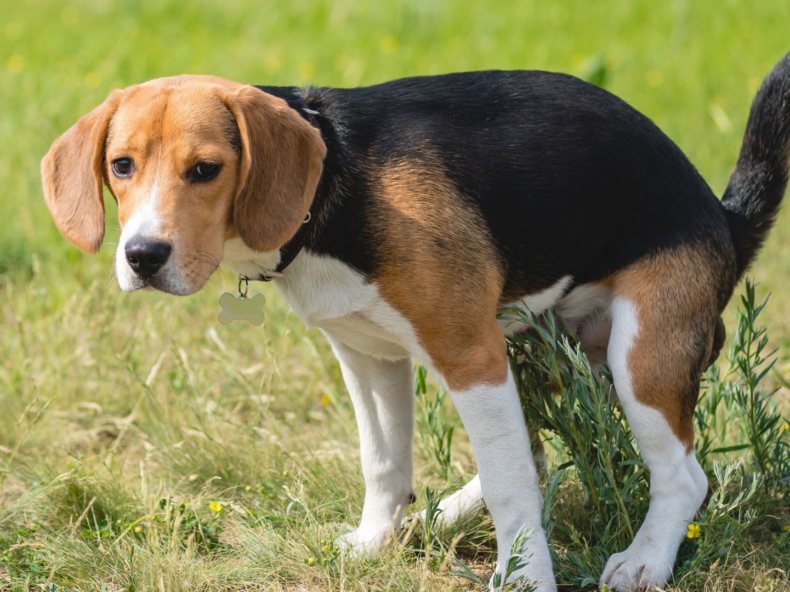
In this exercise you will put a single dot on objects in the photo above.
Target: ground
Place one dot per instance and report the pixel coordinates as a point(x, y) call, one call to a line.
point(145, 446)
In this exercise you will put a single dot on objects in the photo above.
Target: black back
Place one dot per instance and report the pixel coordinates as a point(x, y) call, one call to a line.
point(569, 178)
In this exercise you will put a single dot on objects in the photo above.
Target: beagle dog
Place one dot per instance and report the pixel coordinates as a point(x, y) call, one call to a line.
point(399, 218)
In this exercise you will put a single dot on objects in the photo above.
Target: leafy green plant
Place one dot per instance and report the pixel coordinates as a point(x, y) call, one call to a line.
point(586, 429)
point(597, 497)
point(430, 525)
point(762, 427)
point(436, 435)
point(516, 561)
point(725, 519)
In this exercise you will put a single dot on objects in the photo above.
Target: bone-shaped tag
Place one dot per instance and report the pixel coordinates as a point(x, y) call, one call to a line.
point(241, 308)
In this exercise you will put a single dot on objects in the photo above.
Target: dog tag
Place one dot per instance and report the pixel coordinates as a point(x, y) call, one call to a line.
point(241, 307)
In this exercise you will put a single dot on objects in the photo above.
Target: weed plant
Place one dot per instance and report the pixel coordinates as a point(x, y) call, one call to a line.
point(598, 493)
point(436, 434)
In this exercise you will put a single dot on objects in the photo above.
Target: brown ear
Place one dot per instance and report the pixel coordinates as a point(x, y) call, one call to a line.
point(280, 168)
point(71, 173)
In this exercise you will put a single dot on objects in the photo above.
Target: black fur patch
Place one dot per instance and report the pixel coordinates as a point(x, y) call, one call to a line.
point(569, 178)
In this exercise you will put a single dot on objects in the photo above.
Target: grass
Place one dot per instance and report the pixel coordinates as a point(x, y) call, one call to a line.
point(125, 417)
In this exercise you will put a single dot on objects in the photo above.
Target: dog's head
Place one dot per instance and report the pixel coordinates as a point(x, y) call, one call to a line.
point(192, 161)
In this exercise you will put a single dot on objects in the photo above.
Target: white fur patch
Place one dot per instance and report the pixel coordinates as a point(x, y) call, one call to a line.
point(463, 502)
point(321, 288)
point(382, 392)
point(244, 261)
point(494, 421)
point(537, 303)
point(324, 292)
point(584, 301)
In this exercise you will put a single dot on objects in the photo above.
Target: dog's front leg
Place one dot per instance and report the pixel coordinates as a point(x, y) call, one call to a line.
point(493, 419)
point(382, 393)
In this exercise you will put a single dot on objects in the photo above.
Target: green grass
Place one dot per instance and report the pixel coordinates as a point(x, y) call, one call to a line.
point(117, 410)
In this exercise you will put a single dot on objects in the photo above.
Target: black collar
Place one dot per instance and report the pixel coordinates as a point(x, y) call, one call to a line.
point(290, 250)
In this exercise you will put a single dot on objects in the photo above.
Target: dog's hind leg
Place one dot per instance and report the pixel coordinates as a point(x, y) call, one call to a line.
point(664, 318)
point(460, 504)
point(469, 498)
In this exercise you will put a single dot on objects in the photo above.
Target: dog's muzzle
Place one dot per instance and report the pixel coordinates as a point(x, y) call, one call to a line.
point(146, 257)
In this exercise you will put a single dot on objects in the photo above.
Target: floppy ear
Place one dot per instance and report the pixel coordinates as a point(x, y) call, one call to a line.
point(71, 173)
point(281, 160)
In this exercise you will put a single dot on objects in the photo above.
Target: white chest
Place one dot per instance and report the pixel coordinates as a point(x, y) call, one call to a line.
point(329, 294)
point(326, 293)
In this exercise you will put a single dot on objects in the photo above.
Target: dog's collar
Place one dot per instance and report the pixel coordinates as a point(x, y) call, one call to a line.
point(290, 250)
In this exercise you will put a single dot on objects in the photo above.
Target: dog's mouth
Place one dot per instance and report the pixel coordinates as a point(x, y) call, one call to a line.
point(173, 272)
point(160, 283)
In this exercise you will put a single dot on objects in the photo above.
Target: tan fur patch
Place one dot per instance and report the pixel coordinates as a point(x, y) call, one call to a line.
point(71, 174)
point(676, 296)
point(439, 269)
point(282, 156)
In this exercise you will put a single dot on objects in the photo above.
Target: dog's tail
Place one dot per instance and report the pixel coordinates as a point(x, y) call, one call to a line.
point(758, 182)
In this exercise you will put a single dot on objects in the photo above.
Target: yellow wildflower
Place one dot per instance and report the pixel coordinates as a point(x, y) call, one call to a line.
point(327, 549)
point(311, 561)
point(388, 45)
point(15, 63)
point(215, 506)
point(138, 529)
point(92, 79)
point(786, 527)
point(306, 70)
point(694, 531)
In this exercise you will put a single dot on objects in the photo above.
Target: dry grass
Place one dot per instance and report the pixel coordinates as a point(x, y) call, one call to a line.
point(112, 402)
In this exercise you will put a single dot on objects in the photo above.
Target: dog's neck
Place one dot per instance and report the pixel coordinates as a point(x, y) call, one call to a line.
point(255, 265)
point(338, 225)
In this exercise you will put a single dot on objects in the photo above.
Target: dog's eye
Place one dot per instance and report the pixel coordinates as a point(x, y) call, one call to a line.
point(122, 167)
point(205, 171)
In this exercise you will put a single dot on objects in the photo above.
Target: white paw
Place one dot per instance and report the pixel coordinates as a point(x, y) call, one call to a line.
point(536, 571)
point(459, 505)
point(364, 541)
point(637, 569)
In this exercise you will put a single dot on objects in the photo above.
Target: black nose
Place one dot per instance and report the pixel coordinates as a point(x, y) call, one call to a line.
point(145, 257)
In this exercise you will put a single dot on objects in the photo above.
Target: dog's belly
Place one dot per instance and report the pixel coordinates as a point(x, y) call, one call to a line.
point(326, 293)
point(586, 311)
point(359, 332)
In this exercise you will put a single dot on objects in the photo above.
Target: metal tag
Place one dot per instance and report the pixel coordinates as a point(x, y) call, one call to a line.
point(241, 307)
